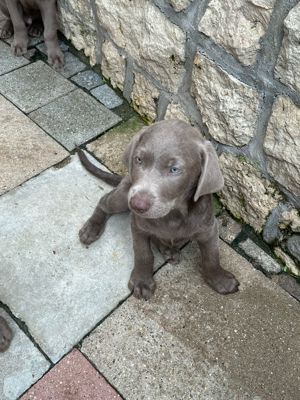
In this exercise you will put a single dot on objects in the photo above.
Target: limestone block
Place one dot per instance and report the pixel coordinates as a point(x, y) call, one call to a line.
point(147, 35)
point(237, 25)
point(246, 193)
point(282, 144)
point(228, 106)
point(175, 111)
point(287, 68)
point(290, 218)
point(113, 65)
point(180, 5)
point(77, 23)
point(144, 96)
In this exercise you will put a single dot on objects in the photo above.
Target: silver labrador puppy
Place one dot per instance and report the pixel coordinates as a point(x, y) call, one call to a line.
point(29, 16)
point(172, 174)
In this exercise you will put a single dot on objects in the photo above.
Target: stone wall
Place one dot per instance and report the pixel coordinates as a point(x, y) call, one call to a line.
point(231, 67)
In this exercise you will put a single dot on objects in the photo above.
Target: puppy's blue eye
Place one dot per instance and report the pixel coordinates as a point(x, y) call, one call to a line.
point(138, 160)
point(174, 170)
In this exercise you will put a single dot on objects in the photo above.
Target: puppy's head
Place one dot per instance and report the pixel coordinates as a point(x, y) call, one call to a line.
point(169, 163)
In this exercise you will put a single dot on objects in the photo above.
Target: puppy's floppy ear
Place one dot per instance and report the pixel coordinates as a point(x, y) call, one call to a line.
point(128, 153)
point(211, 179)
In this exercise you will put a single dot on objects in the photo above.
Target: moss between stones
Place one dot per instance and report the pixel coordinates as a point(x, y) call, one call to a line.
point(218, 207)
point(109, 148)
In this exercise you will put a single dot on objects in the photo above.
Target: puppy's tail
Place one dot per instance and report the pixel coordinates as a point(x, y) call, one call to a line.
point(107, 177)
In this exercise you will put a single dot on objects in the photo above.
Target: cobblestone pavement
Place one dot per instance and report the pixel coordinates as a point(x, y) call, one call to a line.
point(78, 334)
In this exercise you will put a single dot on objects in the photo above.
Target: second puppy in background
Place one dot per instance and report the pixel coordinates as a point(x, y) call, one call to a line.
point(5, 335)
point(25, 17)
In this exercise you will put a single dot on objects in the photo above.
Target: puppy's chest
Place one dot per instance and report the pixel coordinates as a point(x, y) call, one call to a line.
point(171, 232)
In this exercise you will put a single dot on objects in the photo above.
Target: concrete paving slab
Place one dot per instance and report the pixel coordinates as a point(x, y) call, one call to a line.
point(288, 283)
point(8, 62)
point(57, 286)
point(73, 378)
point(189, 342)
point(88, 79)
point(109, 148)
point(107, 96)
point(33, 86)
point(21, 365)
point(25, 149)
point(74, 118)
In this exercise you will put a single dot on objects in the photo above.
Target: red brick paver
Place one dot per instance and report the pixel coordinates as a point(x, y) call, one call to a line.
point(73, 378)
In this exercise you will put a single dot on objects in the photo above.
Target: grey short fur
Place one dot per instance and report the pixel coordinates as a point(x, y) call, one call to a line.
point(172, 174)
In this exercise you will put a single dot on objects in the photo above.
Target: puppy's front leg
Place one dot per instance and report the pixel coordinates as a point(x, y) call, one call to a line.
point(6, 30)
point(113, 202)
point(48, 12)
point(219, 279)
point(20, 42)
point(141, 280)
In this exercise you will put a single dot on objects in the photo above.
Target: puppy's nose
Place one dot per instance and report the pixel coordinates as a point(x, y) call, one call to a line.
point(140, 203)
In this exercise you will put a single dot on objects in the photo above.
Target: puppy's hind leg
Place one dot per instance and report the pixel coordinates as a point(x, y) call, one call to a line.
point(114, 202)
point(170, 254)
point(36, 28)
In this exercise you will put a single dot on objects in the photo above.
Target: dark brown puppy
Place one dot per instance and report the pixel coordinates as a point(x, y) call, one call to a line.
point(26, 16)
point(172, 173)
point(5, 335)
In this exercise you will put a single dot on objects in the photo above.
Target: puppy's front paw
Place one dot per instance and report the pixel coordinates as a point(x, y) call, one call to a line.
point(19, 47)
point(142, 287)
point(90, 232)
point(56, 59)
point(222, 281)
point(5, 335)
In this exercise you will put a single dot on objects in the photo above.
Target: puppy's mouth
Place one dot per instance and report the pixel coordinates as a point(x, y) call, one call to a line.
point(151, 214)
point(153, 211)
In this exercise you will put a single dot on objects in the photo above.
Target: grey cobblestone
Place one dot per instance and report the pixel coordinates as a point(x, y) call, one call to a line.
point(107, 96)
point(88, 79)
point(261, 259)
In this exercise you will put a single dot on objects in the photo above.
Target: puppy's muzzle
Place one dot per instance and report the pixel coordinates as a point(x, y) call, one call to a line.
point(140, 202)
